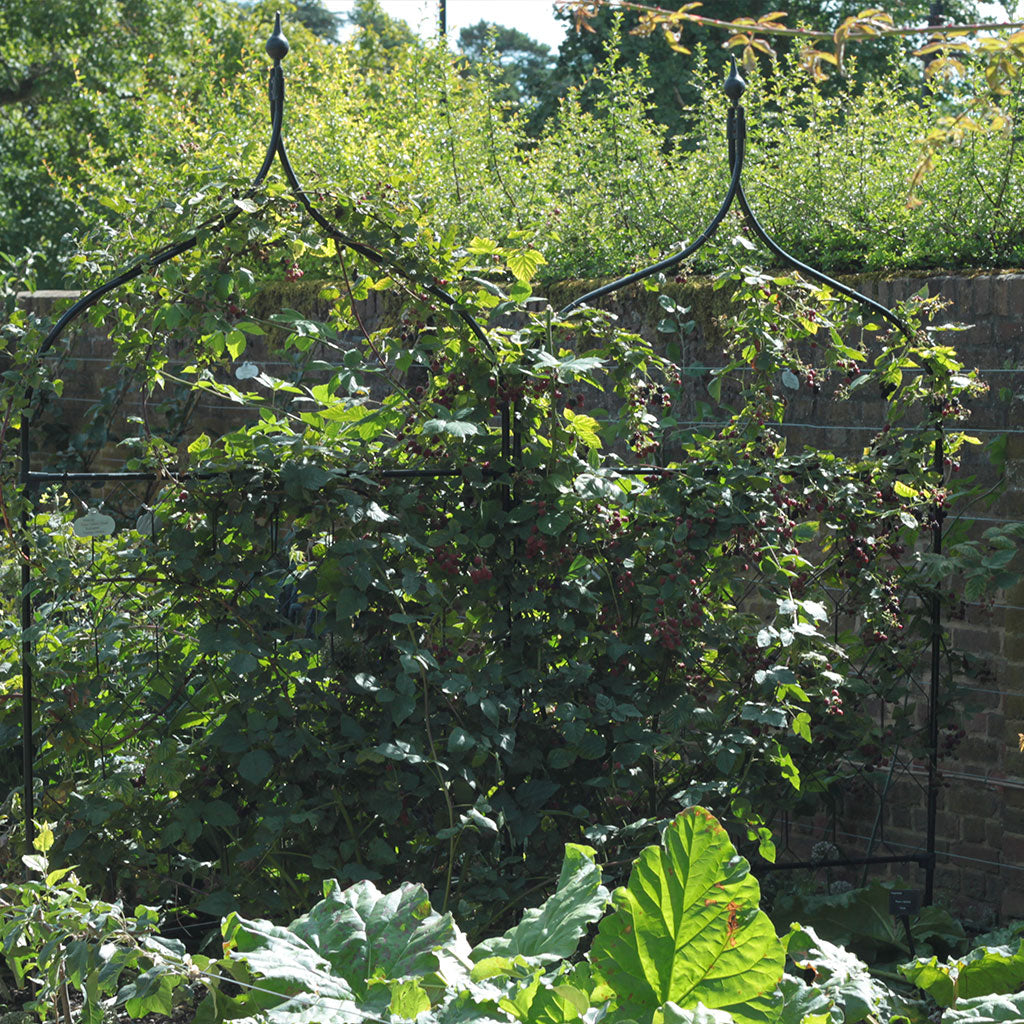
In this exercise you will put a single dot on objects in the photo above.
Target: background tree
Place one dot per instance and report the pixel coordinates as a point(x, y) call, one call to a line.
point(318, 19)
point(674, 86)
point(371, 20)
point(525, 65)
point(73, 76)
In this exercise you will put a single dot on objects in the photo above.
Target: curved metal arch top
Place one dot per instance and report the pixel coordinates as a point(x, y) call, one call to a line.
point(277, 47)
point(736, 132)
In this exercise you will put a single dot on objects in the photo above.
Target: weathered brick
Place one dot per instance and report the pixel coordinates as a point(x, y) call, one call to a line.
point(994, 886)
point(973, 342)
point(1012, 848)
point(977, 852)
point(947, 287)
point(976, 639)
point(947, 826)
point(974, 800)
point(979, 614)
point(947, 876)
point(1013, 643)
point(1013, 818)
point(1014, 797)
point(972, 882)
point(979, 750)
point(974, 830)
point(998, 727)
point(1009, 332)
point(994, 831)
point(975, 294)
point(1007, 294)
point(1011, 905)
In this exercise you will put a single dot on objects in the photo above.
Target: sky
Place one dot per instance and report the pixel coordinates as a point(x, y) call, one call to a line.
point(534, 17)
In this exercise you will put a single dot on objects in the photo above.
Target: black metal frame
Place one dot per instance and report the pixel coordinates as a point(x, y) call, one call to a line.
point(277, 48)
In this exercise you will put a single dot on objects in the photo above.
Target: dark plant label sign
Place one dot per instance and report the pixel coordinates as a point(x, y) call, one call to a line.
point(903, 902)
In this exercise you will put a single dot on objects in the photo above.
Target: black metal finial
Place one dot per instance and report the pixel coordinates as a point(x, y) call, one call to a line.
point(277, 45)
point(735, 87)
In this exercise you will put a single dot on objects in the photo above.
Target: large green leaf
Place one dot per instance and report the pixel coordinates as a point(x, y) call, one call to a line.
point(547, 1001)
point(688, 928)
point(670, 1013)
point(524, 264)
point(801, 1002)
point(838, 974)
point(286, 968)
point(982, 972)
point(1008, 1009)
point(366, 933)
point(351, 937)
point(553, 930)
point(151, 992)
point(454, 428)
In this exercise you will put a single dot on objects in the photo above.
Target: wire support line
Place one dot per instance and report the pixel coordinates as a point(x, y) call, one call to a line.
point(985, 519)
point(990, 607)
point(960, 428)
point(691, 369)
point(844, 427)
point(844, 862)
point(918, 773)
point(57, 476)
point(994, 693)
point(948, 855)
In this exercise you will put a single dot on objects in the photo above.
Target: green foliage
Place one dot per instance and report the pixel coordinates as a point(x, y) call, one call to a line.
point(55, 936)
point(524, 63)
point(837, 171)
point(73, 75)
point(376, 28)
point(839, 981)
point(664, 44)
point(982, 972)
point(553, 932)
point(327, 664)
point(997, 1009)
point(860, 921)
point(360, 954)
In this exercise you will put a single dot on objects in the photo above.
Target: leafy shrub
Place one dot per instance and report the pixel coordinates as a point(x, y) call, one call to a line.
point(684, 940)
point(833, 171)
point(327, 663)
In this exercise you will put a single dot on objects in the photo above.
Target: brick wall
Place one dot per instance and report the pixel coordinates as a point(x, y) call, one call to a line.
point(981, 805)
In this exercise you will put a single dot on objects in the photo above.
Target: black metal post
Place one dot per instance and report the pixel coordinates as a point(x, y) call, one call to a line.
point(27, 716)
point(442, 17)
point(933, 693)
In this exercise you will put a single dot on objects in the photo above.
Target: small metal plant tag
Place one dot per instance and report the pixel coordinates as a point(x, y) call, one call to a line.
point(93, 524)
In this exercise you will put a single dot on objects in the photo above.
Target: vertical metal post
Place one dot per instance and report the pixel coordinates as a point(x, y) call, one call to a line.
point(933, 693)
point(27, 753)
point(442, 17)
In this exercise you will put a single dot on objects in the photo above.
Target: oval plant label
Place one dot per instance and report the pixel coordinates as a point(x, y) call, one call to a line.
point(93, 524)
point(147, 524)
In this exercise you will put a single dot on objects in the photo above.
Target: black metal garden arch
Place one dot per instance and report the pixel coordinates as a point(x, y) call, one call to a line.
point(277, 48)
